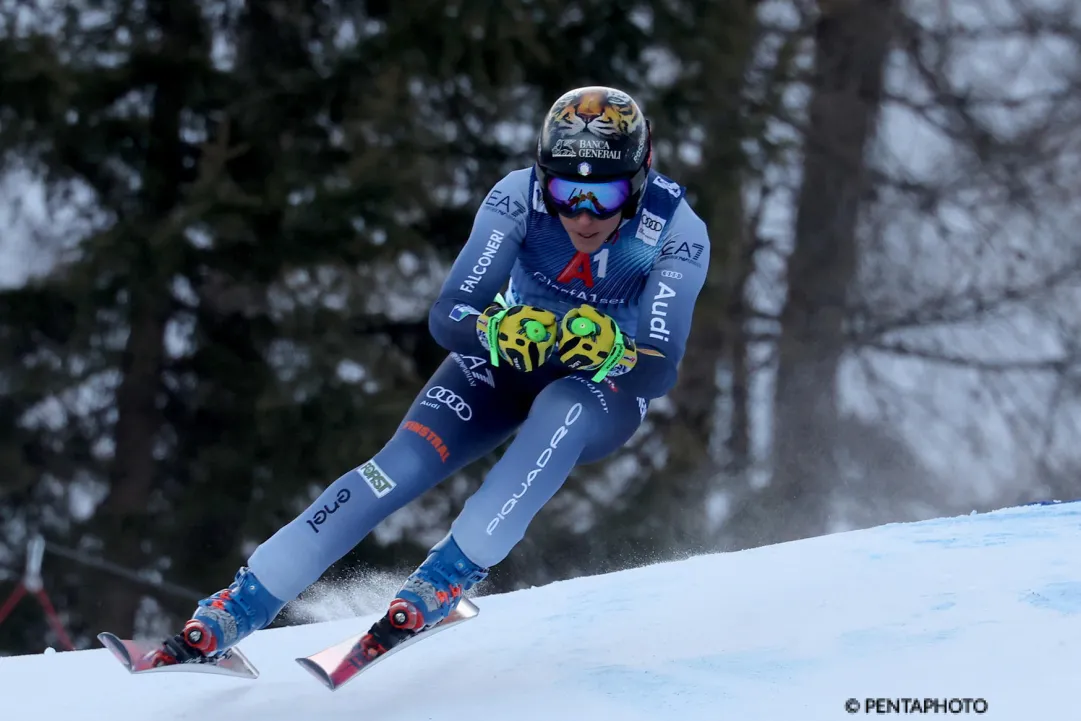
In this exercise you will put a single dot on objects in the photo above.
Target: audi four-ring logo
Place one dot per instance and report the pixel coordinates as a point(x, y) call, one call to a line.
point(674, 274)
point(451, 400)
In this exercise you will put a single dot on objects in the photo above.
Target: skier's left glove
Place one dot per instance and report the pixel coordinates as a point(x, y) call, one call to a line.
point(590, 340)
point(522, 335)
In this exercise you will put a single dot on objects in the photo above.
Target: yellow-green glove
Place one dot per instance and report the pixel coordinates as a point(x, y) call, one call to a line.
point(591, 340)
point(522, 335)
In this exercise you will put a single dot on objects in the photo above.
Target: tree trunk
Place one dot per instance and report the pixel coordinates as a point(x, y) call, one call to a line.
point(125, 512)
point(853, 38)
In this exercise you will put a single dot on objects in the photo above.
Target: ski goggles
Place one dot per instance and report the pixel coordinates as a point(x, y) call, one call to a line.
point(602, 200)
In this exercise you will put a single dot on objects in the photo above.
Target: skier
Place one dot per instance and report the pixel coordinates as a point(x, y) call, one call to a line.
point(605, 260)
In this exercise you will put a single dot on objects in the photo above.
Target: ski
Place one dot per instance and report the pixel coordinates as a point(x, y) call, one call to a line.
point(338, 664)
point(130, 653)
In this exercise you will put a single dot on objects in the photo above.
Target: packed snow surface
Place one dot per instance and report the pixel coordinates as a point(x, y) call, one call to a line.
point(975, 616)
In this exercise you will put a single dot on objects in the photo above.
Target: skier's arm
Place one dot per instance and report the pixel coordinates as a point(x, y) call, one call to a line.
point(483, 265)
point(667, 305)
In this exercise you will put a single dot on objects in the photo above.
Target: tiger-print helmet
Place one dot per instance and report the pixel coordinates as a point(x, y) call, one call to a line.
point(602, 130)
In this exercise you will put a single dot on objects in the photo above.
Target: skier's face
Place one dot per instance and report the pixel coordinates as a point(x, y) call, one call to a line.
point(587, 232)
point(579, 202)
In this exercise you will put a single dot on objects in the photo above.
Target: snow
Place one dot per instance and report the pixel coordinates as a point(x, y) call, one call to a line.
point(979, 607)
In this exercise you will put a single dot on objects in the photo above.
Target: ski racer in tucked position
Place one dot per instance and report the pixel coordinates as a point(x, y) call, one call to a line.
point(605, 260)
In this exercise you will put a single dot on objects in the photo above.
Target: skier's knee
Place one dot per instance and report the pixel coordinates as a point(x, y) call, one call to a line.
point(408, 463)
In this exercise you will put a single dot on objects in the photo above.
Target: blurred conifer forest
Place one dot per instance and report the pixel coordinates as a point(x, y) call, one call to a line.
point(223, 223)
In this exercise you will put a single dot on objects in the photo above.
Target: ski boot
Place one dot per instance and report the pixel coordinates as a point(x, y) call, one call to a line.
point(427, 597)
point(219, 623)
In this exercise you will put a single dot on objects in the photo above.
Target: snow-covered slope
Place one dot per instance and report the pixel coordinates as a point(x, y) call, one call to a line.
point(980, 607)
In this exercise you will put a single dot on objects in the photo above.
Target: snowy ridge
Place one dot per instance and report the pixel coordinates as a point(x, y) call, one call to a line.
point(980, 607)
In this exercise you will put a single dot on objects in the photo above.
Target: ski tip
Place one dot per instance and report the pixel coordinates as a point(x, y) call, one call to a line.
point(116, 645)
point(317, 671)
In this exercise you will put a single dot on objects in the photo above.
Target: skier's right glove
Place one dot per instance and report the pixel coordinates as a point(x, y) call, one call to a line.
point(522, 335)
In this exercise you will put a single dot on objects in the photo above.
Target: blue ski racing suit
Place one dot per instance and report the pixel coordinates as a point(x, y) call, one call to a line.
point(646, 277)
